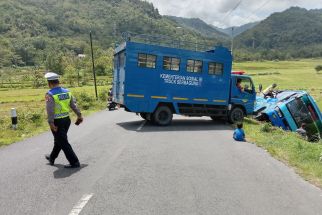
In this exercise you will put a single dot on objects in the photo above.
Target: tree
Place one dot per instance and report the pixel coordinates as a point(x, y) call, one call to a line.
point(54, 62)
point(5, 57)
point(70, 75)
point(37, 77)
point(104, 63)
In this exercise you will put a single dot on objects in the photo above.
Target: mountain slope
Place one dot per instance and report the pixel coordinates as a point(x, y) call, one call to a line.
point(207, 30)
point(30, 29)
point(237, 29)
point(295, 32)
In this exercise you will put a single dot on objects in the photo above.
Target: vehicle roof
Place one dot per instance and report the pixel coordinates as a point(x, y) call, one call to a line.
point(218, 51)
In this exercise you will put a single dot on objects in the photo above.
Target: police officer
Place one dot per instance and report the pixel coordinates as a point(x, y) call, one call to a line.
point(58, 103)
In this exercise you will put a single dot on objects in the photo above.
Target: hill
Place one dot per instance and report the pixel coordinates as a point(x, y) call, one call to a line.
point(31, 30)
point(199, 26)
point(237, 29)
point(294, 33)
point(208, 30)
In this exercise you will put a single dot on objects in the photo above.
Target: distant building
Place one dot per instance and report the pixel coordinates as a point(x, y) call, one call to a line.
point(81, 55)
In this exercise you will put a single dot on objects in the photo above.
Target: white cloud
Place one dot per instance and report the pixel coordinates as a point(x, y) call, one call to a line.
point(218, 12)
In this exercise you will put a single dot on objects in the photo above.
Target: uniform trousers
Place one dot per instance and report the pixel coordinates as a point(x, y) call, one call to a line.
point(61, 141)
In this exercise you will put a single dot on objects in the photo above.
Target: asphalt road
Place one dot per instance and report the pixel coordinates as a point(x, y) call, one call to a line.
point(128, 167)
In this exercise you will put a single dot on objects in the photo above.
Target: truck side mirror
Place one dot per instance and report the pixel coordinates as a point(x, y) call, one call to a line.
point(260, 87)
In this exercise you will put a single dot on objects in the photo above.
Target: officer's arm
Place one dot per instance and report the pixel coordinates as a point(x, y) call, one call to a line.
point(74, 107)
point(50, 107)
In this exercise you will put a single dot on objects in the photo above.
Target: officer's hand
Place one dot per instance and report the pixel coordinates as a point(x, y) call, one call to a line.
point(79, 120)
point(53, 127)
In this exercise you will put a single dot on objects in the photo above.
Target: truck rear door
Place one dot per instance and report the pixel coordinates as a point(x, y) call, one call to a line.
point(119, 77)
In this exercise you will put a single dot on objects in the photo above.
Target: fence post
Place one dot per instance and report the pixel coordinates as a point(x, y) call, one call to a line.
point(14, 118)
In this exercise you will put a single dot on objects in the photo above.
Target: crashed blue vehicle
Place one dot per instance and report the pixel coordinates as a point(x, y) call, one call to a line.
point(290, 110)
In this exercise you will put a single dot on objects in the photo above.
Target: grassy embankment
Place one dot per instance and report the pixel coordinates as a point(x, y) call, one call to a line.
point(303, 156)
point(30, 106)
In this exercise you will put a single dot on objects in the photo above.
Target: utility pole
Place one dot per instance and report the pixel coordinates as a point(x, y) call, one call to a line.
point(232, 40)
point(90, 36)
point(253, 43)
point(78, 77)
point(114, 34)
point(114, 29)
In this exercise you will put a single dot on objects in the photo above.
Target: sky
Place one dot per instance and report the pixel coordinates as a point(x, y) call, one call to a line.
point(227, 13)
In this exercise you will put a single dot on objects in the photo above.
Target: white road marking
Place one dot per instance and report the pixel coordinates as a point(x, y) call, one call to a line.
point(141, 126)
point(81, 204)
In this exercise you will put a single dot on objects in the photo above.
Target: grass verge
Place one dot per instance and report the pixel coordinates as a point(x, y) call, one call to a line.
point(288, 147)
point(32, 120)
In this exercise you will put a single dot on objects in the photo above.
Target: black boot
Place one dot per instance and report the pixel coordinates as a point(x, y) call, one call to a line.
point(75, 165)
point(51, 161)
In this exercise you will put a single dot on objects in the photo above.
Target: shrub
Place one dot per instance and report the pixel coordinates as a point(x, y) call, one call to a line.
point(103, 95)
point(36, 118)
point(100, 70)
point(27, 117)
point(85, 100)
point(266, 128)
point(318, 68)
point(85, 97)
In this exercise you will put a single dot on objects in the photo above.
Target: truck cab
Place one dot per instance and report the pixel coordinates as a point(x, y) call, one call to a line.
point(158, 81)
point(243, 93)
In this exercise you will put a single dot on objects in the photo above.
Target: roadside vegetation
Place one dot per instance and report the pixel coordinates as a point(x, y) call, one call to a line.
point(288, 147)
point(24, 89)
point(30, 106)
point(293, 75)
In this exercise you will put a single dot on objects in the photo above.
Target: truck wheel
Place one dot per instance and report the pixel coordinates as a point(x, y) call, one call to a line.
point(162, 116)
point(236, 115)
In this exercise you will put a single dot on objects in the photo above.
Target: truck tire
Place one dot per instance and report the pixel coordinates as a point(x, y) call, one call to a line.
point(236, 115)
point(162, 116)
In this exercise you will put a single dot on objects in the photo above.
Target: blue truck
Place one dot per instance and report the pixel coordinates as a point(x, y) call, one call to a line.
point(157, 81)
point(290, 110)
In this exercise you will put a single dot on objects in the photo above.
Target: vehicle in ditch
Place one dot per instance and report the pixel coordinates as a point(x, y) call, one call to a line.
point(290, 109)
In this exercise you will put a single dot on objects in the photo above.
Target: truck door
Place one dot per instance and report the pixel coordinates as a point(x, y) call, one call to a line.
point(115, 78)
point(119, 77)
point(243, 92)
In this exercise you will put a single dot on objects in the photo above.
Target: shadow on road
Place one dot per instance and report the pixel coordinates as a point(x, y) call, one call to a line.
point(177, 125)
point(62, 172)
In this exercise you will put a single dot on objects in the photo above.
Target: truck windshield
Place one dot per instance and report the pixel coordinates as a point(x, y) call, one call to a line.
point(302, 112)
point(246, 84)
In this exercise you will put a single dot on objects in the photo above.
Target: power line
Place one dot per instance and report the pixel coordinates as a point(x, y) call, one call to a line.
point(232, 10)
point(257, 9)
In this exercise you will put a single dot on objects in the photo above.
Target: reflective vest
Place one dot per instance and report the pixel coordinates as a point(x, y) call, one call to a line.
point(62, 98)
